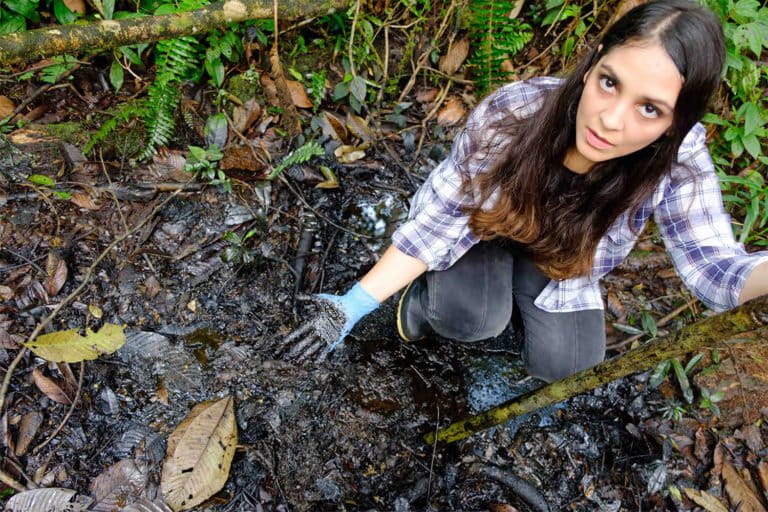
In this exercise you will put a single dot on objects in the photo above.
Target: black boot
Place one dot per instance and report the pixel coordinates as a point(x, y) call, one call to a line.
point(412, 323)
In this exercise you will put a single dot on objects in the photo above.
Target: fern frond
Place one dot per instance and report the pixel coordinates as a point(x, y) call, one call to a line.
point(136, 109)
point(495, 38)
point(298, 156)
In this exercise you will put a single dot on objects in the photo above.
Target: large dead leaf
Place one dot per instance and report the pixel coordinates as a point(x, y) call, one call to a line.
point(52, 499)
point(348, 154)
point(28, 428)
point(199, 454)
point(244, 117)
point(117, 485)
point(84, 201)
point(762, 473)
point(50, 387)
point(6, 107)
point(739, 492)
point(57, 272)
point(69, 346)
point(77, 6)
point(457, 54)
point(705, 500)
point(359, 127)
point(298, 94)
point(451, 113)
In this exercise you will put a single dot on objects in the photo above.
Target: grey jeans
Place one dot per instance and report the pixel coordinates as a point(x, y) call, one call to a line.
point(473, 300)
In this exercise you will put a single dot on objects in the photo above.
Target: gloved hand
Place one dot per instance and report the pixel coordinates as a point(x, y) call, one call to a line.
point(334, 317)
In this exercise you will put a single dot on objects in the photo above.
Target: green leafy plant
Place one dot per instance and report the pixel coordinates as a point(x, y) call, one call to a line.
point(124, 113)
point(238, 251)
point(298, 156)
point(495, 38)
point(203, 163)
point(48, 183)
point(673, 410)
point(709, 400)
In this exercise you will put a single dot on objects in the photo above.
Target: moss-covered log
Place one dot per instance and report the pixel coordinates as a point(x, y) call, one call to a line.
point(705, 333)
point(45, 42)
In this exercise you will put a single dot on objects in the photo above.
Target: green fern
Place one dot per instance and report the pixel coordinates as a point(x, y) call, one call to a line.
point(495, 38)
point(298, 156)
point(136, 109)
point(176, 60)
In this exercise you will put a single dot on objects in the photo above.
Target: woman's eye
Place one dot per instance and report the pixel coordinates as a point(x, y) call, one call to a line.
point(607, 83)
point(650, 111)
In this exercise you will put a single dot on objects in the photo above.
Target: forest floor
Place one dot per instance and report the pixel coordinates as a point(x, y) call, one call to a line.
point(345, 434)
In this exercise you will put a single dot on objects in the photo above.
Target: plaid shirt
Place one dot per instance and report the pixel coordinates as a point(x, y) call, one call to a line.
point(689, 213)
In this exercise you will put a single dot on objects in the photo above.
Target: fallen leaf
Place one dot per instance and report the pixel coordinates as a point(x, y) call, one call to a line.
point(762, 473)
point(501, 507)
point(270, 90)
point(331, 181)
point(84, 201)
point(244, 117)
point(77, 6)
point(95, 310)
point(6, 293)
point(28, 428)
point(6, 106)
point(451, 113)
point(51, 499)
point(199, 454)
point(168, 164)
point(117, 485)
point(151, 287)
point(702, 448)
point(616, 307)
point(427, 95)
point(455, 57)
point(705, 500)
point(71, 347)
point(57, 272)
point(333, 127)
point(6, 340)
point(298, 94)
point(750, 434)
point(348, 154)
point(739, 492)
point(51, 388)
point(359, 127)
point(242, 158)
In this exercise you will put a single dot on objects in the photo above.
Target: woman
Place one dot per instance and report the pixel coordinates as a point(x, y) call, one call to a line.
point(546, 190)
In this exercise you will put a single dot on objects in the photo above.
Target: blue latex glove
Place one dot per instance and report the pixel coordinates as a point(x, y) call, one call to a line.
point(335, 317)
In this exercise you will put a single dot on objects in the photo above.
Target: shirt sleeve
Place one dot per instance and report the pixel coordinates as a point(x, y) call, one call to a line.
point(697, 230)
point(437, 230)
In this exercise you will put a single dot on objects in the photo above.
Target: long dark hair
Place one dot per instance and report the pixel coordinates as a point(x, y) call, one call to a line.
point(561, 216)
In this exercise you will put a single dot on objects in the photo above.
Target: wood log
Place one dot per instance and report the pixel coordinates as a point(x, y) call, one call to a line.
point(710, 332)
point(45, 42)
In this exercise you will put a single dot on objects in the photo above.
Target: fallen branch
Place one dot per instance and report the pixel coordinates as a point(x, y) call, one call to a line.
point(45, 42)
point(704, 333)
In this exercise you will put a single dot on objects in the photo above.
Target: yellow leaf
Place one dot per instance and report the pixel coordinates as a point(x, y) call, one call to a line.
point(6, 106)
point(705, 500)
point(69, 346)
point(95, 311)
point(199, 454)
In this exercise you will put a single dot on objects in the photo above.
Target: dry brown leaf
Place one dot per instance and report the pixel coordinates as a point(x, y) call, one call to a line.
point(762, 473)
point(6, 292)
point(298, 94)
point(6, 106)
point(427, 95)
point(750, 434)
point(348, 154)
point(77, 6)
point(119, 484)
point(199, 454)
point(739, 491)
point(168, 164)
point(616, 307)
point(451, 113)
point(57, 272)
point(333, 127)
point(244, 117)
point(50, 387)
point(516, 9)
point(6, 340)
point(359, 127)
point(50, 499)
point(501, 507)
point(144, 505)
point(240, 157)
point(151, 287)
point(84, 201)
point(455, 57)
point(702, 448)
point(705, 500)
point(28, 428)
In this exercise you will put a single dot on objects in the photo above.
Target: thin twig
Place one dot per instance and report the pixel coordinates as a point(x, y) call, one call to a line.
point(350, 51)
point(430, 115)
point(434, 455)
point(25, 259)
point(76, 292)
point(69, 412)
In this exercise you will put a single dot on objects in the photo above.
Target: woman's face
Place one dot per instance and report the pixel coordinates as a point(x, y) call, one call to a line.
point(628, 102)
